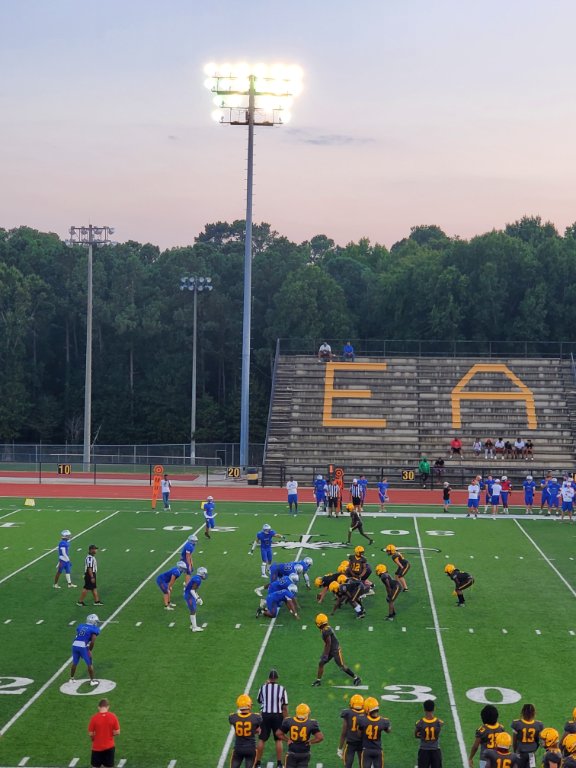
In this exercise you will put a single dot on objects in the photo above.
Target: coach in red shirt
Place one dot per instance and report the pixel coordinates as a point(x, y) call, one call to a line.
point(102, 729)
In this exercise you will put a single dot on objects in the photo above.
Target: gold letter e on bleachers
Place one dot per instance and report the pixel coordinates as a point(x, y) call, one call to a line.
point(525, 394)
point(330, 394)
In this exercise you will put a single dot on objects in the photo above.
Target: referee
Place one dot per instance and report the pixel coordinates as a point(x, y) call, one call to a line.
point(273, 701)
point(90, 568)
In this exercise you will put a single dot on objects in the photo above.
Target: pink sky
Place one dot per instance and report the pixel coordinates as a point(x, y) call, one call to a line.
point(453, 113)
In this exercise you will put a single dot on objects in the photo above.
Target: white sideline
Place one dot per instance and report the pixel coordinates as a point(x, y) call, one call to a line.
point(260, 654)
point(52, 551)
point(557, 572)
point(447, 678)
point(66, 664)
point(10, 513)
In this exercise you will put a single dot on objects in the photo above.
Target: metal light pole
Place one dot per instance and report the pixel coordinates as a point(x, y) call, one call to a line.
point(89, 236)
point(196, 285)
point(251, 95)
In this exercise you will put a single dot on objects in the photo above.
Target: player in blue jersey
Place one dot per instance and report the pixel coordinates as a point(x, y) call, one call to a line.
point(283, 583)
point(277, 570)
point(64, 565)
point(186, 555)
point(544, 489)
point(166, 581)
point(529, 487)
point(320, 487)
point(553, 495)
point(363, 483)
point(83, 645)
point(275, 599)
point(383, 486)
point(264, 539)
point(192, 598)
point(488, 483)
point(209, 515)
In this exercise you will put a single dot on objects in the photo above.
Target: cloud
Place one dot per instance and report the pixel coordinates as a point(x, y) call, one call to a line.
point(303, 136)
point(173, 138)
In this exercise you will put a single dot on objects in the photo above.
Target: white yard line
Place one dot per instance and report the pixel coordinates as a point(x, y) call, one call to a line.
point(447, 678)
point(255, 668)
point(66, 664)
point(10, 513)
point(52, 551)
point(556, 571)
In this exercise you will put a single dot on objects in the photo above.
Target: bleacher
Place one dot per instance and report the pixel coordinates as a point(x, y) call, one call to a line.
point(415, 398)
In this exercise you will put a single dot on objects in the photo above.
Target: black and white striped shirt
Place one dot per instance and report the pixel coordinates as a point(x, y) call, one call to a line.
point(333, 491)
point(272, 697)
point(90, 562)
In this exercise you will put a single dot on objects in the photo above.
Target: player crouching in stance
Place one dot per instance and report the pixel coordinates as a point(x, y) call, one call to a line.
point(350, 737)
point(277, 597)
point(323, 582)
point(461, 579)
point(64, 564)
point(246, 726)
point(392, 589)
point(264, 539)
point(372, 725)
point(300, 732)
point(83, 645)
point(166, 581)
point(352, 591)
point(502, 754)
point(331, 651)
point(569, 746)
point(550, 738)
point(192, 598)
point(402, 565)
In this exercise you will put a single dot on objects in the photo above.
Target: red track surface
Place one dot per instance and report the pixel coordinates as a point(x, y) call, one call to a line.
point(193, 493)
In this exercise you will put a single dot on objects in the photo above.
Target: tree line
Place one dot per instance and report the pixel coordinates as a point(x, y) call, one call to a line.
point(509, 284)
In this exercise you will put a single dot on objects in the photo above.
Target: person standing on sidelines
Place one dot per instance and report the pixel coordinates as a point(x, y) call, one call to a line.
point(292, 489)
point(64, 565)
point(334, 500)
point(529, 488)
point(273, 700)
point(166, 487)
point(102, 729)
point(488, 496)
point(428, 731)
point(495, 496)
point(300, 732)
point(473, 498)
point(567, 494)
point(446, 491)
point(90, 568)
point(383, 493)
point(264, 540)
point(246, 726)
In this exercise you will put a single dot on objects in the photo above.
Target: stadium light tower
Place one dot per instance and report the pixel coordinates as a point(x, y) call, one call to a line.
point(197, 285)
point(89, 237)
point(251, 95)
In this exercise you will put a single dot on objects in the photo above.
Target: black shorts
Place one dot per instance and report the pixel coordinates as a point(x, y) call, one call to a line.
point(297, 760)
point(88, 583)
point(246, 755)
point(357, 501)
point(429, 758)
point(104, 758)
point(351, 749)
point(372, 758)
point(271, 722)
point(333, 502)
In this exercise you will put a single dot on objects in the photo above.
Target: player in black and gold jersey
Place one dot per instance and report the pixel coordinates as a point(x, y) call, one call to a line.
point(350, 736)
point(246, 726)
point(550, 738)
point(351, 591)
point(486, 734)
point(462, 581)
point(569, 747)
point(372, 726)
point(300, 732)
point(428, 731)
point(356, 524)
point(358, 565)
point(330, 651)
point(322, 583)
point(526, 731)
point(392, 589)
point(502, 756)
point(569, 725)
point(402, 565)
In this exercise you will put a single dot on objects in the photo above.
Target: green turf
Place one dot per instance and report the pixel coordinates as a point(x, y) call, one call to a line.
point(174, 688)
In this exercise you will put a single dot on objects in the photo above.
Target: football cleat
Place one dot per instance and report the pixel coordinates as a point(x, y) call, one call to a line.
point(503, 740)
point(357, 702)
point(168, 608)
point(357, 681)
point(172, 605)
point(81, 602)
point(98, 602)
point(321, 620)
point(302, 711)
point(361, 615)
point(94, 682)
point(197, 629)
point(71, 586)
point(202, 572)
point(389, 618)
point(317, 683)
point(56, 586)
point(259, 612)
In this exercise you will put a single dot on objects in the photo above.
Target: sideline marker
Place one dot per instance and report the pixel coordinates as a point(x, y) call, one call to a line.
point(29, 503)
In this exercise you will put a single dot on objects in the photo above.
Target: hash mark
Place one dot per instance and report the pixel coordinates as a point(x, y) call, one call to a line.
point(122, 763)
point(570, 632)
point(304, 626)
point(7, 621)
point(171, 624)
point(73, 762)
point(237, 626)
point(471, 631)
point(138, 623)
point(172, 763)
point(370, 629)
point(40, 621)
point(504, 631)
point(71, 623)
point(403, 629)
point(24, 761)
point(538, 632)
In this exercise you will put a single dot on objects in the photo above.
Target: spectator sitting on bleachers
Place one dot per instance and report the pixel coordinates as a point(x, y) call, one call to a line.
point(488, 448)
point(477, 447)
point(499, 448)
point(508, 450)
point(348, 353)
point(529, 450)
point(456, 447)
point(519, 448)
point(325, 353)
point(439, 466)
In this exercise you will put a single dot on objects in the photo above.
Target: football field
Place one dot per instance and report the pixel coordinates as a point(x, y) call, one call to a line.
point(513, 642)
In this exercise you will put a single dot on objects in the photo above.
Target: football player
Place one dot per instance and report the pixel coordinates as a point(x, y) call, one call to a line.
point(64, 565)
point(275, 599)
point(350, 737)
point(83, 646)
point(246, 726)
point(392, 589)
point(350, 591)
point(502, 756)
point(320, 488)
point(186, 555)
point(277, 570)
point(529, 487)
point(322, 583)
point(526, 731)
point(372, 726)
point(300, 732)
point(570, 725)
point(330, 651)
point(428, 729)
point(358, 566)
point(402, 565)
point(264, 539)
point(209, 515)
point(356, 523)
point(383, 486)
point(569, 747)
point(192, 598)
point(486, 734)
point(166, 581)
point(550, 738)
point(461, 579)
